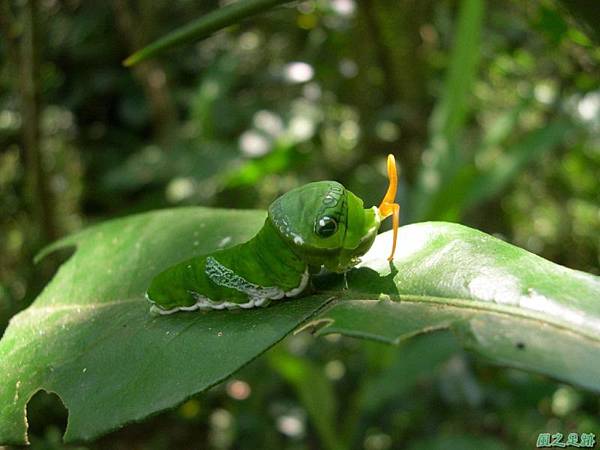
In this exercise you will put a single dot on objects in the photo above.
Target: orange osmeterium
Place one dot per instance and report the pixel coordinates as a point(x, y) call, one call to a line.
point(388, 207)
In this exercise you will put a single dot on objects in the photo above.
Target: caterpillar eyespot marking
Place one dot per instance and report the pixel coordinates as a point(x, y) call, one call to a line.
point(318, 225)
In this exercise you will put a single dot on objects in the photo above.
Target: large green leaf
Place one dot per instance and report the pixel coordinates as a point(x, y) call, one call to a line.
point(90, 338)
point(503, 302)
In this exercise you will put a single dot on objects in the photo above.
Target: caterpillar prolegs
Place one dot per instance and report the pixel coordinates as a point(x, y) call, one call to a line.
point(320, 224)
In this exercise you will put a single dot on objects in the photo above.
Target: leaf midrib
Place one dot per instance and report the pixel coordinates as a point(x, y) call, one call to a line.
point(460, 303)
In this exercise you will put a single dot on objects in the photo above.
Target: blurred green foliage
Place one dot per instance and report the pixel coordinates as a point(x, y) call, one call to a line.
point(492, 109)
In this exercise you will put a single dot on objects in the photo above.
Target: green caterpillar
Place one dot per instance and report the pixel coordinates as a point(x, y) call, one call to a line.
point(318, 224)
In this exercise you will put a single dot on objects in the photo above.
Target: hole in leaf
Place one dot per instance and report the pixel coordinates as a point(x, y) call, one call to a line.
point(46, 418)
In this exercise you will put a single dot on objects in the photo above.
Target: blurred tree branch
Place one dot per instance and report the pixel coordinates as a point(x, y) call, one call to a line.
point(134, 26)
point(9, 33)
point(23, 51)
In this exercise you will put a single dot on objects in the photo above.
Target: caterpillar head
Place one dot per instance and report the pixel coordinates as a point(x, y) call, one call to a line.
point(328, 225)
point(325, 224)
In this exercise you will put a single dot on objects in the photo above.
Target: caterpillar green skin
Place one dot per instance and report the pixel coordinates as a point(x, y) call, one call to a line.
point(318, 224)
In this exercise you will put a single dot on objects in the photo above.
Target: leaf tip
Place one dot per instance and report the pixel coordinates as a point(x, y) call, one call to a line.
point(54, 246)
point(131, 60)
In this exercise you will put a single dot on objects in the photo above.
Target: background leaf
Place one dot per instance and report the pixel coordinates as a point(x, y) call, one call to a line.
point(203, 27)
point(443, 156)
point(416, 360)
point(314, 390)
point(472, 185)
point(451, 112)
